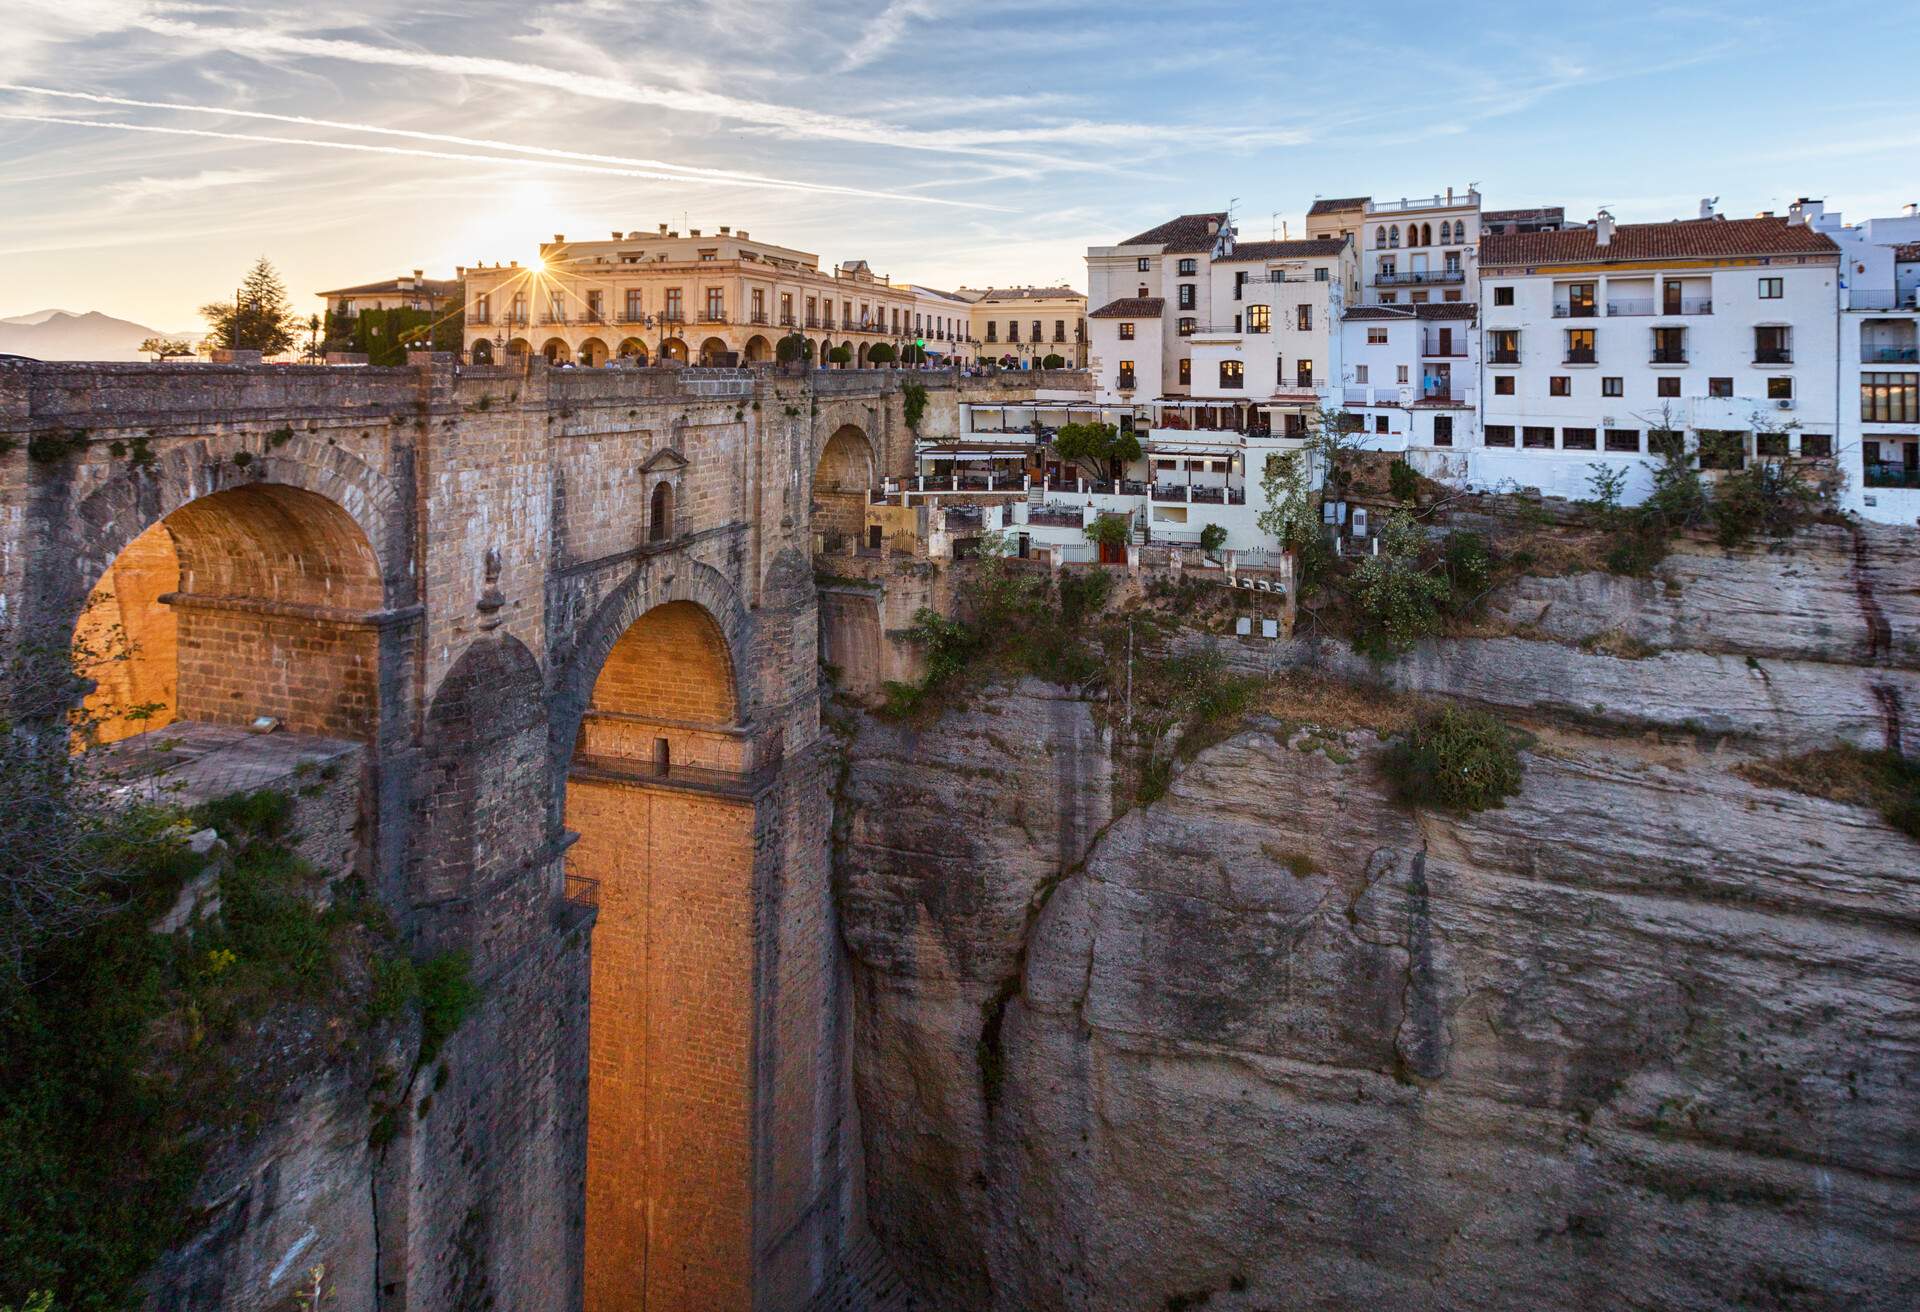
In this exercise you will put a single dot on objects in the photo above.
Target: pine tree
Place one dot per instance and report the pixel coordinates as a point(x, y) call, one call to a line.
point(259, 318)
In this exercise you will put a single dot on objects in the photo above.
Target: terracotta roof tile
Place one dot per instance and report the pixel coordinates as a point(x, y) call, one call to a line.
point(1340, 206)
point(1185, 235)
point(1539, 214)
point(1682, 239)
point(1447, 310)
point(392, 287)
point(1359, 313)
point(1908, 253)
point(1284, 250)
point(1130, 307)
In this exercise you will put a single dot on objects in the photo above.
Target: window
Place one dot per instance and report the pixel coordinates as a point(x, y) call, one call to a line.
point(1303, 372)
point(1816, 446)
point(1388, 268)
point(482, 312)
point(1232, 374)
point(1450, 296)
point(1185, 327)
point(1359, 373)
point(1036, 330)
point(1443, 430)
point(1236, 323)
point(1503, 296)
point(1890, 398)
point(1669, 346)
point(1186, 295)
point(1770, 444)
point(1722, 449)
point(1503, 384)
point(1559, 385)
point(1623, 439)
point(1772, 289)
point(1446, 232)
point(716, 304)
point(1772, 345)
point(1536, 439)
point(557, 307)
point(759, 305)
point(1145, 264)
point(1666, 442)
point(1506, 346)
point(1013, 330)
point(1580, 346)
point(1780, 388)
point(1143, 290)
point(1580, 303)
point(1259, 318)
point(1393, 235)
point(993, 331)
point(1306, 318)
point(1388, 298)
point(1668, 386)
point(1401, 374)
point(1579, 439)
point(1376, 337)
point(675, 309)
point(1320, 275)
point(1613, 387)
point(1239, 283)
point(1059, 330)
point(1720, 387)
point(597, 306)
point(1499, 434)
point(1186, 373)
point(1379, 423)
point(1380, 238)
point(1188, 268)
point(1417, 298)
point(710, 255)
point(1126, 375)
point(1126, 332)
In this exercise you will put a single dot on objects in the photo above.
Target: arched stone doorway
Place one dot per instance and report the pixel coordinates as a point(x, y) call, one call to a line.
point(841, 478)
point(257, 601)
point(557, 351)
point(593, 353)
point(758, 350)
point(660, 513)
point(634, 349)
point(714, 351)
point(519, 348)
point(861, 358)
point(481, 352)
point(674, 349)
point(658, 793)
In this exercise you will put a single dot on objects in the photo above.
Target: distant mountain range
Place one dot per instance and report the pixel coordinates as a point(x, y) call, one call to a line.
point(65, 335)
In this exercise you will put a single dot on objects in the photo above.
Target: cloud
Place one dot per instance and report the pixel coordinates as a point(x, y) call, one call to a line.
point(885, 32)
point(141, 190)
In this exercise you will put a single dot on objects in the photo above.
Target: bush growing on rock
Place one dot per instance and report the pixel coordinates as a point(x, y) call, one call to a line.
point(1455, 759)
point(1402, 482)
point(1397, 600)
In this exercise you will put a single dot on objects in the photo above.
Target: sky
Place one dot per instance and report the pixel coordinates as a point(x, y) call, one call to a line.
point(150, 150)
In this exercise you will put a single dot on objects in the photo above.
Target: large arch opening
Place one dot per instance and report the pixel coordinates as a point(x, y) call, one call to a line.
point(659, 794)
point(841, 478)
point(714, 351)
point(241, 607)
point(557, 351)
point(481, 352)
point(593, 353)
point(634, 349)
point(673, 349)
point(758, 350)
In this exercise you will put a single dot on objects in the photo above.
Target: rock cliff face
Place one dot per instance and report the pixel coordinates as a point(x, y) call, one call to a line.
point(1648, 1036)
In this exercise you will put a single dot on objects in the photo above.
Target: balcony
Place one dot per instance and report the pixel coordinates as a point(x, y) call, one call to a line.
point(673, 316)
point(1632, 307)
point(478, 319)
point(758, 316)
point(1434, 348)
point(1872, 353)
point(1687, 305)
point(1887, 474)
point(1773, 355)
point(1667, 357)
point(1579, 357)
point(1504, 357)
point(711, 315)
point(1125, 383)
point(1577, 310)
point(813, 321)
point(1420, 278)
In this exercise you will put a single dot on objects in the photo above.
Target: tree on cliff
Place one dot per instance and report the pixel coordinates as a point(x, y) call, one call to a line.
point(1103, 446)
point(166, 348)
point(259, 318)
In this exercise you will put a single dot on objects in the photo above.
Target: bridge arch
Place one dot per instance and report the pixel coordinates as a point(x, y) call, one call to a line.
point(659, 793)
point(842, 474)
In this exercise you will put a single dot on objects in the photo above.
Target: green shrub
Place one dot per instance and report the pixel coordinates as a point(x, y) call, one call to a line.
point(793, 349)
point(1110, 531)
point(880, 353)
point(841, 355)
point(1083, 592)
point(913, 404)
point(1468, 566)
point(447, 992)
point(1397, 599)
point(1455, 759)
point(1402, 482)
point(1766, 498)
point(1054, 362)
point(1212, 538)
point(1884, 780)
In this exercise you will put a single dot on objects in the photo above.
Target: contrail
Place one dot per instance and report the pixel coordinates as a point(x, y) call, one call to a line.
point(693, 172)
point(568, 166)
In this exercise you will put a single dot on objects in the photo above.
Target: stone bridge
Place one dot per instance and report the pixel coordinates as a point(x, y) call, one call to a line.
point(568, 617)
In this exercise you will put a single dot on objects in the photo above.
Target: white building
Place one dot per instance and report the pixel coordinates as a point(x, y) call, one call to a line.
point(1600, 343)
point(940, 319)
point(1412, 251)
point(1411, 378)
point(1879, 395)
point(1139, 291)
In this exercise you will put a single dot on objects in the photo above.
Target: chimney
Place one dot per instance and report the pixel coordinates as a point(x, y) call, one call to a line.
point(663, 230)
point(1706, 206)
point(559, 238)
point(726, 230)
point(693, 232)
point(419, 273)
point(1213, 227)
point(743, 234)
point(616, 234)
point(1603, 229)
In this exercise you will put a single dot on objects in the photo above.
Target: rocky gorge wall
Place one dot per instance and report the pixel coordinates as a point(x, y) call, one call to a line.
point(1643, 1037)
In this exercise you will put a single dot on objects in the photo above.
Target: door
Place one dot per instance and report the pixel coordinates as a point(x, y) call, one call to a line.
point(1670, 291)
point(873, 537)
point(1446, 341)
point(1110, 554)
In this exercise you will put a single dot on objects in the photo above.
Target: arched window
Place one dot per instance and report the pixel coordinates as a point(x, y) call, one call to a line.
point(660, 524)
point(1379, 238)
point(1393, 235)
point(1446, 232)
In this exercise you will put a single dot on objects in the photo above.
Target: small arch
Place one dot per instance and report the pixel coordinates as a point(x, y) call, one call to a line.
point(481, 352)
point(632, 348)
point(660, 512)
point(1393, 235)
point(714, 351)
point(593, 353)
point(674, 349)
point(758, 351)
point(861, 357)
point(519, 349)
point(1380, 238)
point(841, 477)
point(557, 351)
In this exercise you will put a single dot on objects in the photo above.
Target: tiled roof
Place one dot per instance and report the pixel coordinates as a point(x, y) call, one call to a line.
point(1284, 250)
point(1130, 307)
point(1447, 310)
point(1540, 214)
point(1360, 312)
point(1030, 293)
point(1185, 235)
point(1340, 206)
point(392, 287)
point(1682, 239)
point(1907, 254)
